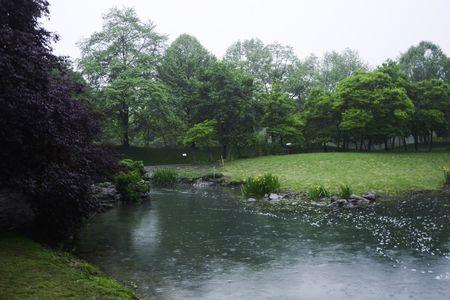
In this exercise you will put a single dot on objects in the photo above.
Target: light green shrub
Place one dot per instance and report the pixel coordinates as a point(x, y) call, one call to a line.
point(261, 185)
point(165, 177)
point(345, 191)
point(317, 192)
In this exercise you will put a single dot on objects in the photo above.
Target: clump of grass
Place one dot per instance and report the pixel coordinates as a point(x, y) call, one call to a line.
point(261, 185)
point(447, 176)
point(317, 192)
point(345, 191)
point(165, 177)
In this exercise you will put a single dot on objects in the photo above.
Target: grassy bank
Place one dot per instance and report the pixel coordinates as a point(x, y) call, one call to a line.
point(31, 271)
point(382, 172)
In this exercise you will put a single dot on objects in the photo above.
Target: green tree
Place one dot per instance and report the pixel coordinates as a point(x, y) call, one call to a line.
point(280, 119)
point(184, 62)
point(115, 61)
point(320, 118)
point(372, 107)
point(425, 61)
point(267, 63)
point(303, 77)
point(226, 95)
point(335, 66)
point(202, 135)
point(432, 115)
point(158, 119)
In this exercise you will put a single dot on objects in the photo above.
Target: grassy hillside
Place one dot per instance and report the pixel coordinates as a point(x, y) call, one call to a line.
point(383, 172)
point(31, 271)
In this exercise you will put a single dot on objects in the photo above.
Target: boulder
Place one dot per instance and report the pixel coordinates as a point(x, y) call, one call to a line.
point(339, 203)
point(273, 196)
point(371, 195)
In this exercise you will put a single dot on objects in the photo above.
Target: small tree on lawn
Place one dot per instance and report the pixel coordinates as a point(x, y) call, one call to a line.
point(203, 136)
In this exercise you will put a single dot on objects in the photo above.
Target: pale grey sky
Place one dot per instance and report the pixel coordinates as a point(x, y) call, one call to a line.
point(377, 29)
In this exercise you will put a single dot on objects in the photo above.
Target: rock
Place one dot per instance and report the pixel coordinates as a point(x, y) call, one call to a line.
point(251, 200)
point(199, 183)
point(105, 194)
point(339, 203)
point(333, 198)
point(354, 198)
point(371, 195)
point(274, 196)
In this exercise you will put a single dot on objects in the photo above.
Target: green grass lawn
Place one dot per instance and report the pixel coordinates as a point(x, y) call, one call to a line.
point(382, 172)
point(31, 271)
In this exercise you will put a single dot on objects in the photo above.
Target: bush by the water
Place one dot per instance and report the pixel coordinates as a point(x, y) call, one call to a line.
point(317, 192)
point(165, 177)
point(261, 185)
point(130, 182)
point(134, 165)
point(345, 191)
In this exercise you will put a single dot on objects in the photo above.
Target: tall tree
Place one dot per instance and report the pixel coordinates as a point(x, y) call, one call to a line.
point(280, 119)
point(118, 58)
point(321, 119)
point(425, 61)
point(253, 57)
point(184, 62)
point(372, 106)
point(336, 66)
point(432, 115)
point(303, 77)
point(226, 96)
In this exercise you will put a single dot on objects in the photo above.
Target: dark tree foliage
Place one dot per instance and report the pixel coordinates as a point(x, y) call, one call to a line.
point(46, 135)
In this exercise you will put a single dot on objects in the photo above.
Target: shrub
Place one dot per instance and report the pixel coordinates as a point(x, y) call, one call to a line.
point(447, 176)
point(317, 192)
point(261, 185)
point(165, 177)
point(134, 165)
point(345, 191)
point(49, 138)
point(131, 185)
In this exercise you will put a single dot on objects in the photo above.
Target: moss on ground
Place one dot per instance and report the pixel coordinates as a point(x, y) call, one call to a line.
point(29, 270)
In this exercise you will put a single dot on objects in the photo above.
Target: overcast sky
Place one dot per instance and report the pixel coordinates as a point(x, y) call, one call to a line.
point(377, 29)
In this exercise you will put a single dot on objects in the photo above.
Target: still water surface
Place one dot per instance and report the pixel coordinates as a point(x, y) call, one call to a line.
point(203, 244)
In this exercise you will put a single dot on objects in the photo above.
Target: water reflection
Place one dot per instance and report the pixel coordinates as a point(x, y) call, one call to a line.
point(202, 244)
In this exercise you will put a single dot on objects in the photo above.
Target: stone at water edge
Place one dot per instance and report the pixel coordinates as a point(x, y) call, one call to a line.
point(371, 195)
point(357, 198)
point(339, 203)
point(274, 196)
point(251, 200)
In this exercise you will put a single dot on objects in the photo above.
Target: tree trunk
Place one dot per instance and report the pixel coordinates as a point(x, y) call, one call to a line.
point(404, 144)
point(124, 118)
point(386, 144)
point(224, 150)
point(416, 142)
point(430, 145)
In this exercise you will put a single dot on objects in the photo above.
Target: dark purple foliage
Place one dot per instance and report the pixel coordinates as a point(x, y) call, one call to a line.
point(46, 136)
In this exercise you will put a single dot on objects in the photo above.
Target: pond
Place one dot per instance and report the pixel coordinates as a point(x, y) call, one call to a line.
point(204, 244)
